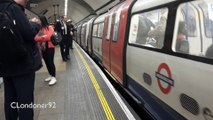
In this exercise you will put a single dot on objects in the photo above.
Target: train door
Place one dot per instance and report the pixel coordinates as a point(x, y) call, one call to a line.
point(87, 35)
point(83, 35)
point(89, 41)
point(106, 42)
point(196, 90)
point(112, 24)
point(79, 34)
point(119, 23)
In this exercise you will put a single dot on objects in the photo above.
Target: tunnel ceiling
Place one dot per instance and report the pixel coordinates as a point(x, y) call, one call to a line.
point(77, 9)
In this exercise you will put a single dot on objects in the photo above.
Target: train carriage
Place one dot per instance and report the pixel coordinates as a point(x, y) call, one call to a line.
point(161, 51)
point(172, 79)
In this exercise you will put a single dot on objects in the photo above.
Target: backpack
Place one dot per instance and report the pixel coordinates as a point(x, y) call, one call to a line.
point(56, 38)
point(12, 46)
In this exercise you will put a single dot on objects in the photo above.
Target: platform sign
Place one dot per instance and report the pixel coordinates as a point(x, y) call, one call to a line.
point(167, 79)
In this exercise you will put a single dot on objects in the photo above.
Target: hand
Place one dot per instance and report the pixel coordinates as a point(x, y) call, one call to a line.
point(43, 36)
point(35, 20)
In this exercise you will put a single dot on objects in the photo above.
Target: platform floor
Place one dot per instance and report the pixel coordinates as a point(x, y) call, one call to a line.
point(81, 93)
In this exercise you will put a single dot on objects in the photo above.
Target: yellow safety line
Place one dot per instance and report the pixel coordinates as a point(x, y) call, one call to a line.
point(101, 97)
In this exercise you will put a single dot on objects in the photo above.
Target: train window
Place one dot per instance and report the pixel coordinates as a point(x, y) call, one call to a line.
point(109, 27)
point(82, 32)
point(207, 21)
point(186, 39)
point(116, 23)
point(148, 29)
point(194, 36)
point(115, 30)
point(113, 24)
point(189, 17)
point(207, 10)
point(100, 30)
point(95, 30)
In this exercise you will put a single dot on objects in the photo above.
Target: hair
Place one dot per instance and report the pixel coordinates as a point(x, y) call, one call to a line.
point(44, 23)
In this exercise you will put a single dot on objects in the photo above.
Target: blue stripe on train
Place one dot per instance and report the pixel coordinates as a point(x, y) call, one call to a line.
point(154, 105)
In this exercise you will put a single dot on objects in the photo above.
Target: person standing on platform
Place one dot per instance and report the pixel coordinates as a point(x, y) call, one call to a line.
point(71, 26)
point(58, 26)
point(47, 48)
point(65, 43)
point(19, 76)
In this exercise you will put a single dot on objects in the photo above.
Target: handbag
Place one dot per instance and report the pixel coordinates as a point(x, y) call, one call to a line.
point(56, 38)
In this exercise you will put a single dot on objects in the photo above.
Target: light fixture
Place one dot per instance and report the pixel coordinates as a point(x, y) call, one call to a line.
point(65, 7)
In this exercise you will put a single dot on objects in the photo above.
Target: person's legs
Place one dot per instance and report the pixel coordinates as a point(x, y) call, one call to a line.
point(67, 48)
point(24, 86)
point(51, 65)
point(9, 98)
point(62, 47)
point(71, 43)
point(45, 55)
point(50, 61)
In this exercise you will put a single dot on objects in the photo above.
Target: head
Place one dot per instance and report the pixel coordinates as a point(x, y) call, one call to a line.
point(64, 18)
point(21, 2)
point(44, 22)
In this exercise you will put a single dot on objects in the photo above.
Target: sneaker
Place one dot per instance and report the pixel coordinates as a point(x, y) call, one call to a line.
point(53, 81)
point(48, 79)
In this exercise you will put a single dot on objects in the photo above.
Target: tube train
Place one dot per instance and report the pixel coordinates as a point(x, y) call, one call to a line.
point(161, 51)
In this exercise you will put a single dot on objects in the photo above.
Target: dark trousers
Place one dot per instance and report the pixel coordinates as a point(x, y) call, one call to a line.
point(71, 42)
point(64, 47)
point(19, 89)
point(48, 56)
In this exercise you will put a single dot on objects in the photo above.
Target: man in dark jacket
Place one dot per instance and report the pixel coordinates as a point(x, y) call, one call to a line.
point(19, 77)
point(71, 27)
point(65, 43)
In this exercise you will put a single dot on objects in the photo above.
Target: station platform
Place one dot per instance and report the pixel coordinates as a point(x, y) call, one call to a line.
point(81, 93)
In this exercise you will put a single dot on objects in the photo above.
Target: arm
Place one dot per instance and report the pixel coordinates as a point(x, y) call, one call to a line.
point(40, 38)
point(71, 30)
point(23, 24)
point(49, 33)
